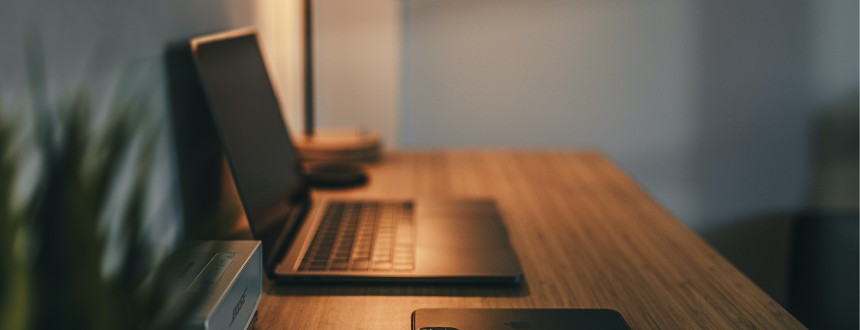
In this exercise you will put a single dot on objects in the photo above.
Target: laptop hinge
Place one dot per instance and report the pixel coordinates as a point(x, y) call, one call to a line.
point(288, 232)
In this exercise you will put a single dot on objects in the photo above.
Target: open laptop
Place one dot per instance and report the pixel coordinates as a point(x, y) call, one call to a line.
point(462, 241)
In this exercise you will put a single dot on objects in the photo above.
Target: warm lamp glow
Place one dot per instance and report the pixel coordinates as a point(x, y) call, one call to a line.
point(280, 27)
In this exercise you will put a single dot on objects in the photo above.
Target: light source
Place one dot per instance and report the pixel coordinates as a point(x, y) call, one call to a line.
point(330, 144)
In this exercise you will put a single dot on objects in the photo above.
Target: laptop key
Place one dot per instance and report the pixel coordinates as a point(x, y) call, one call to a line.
point(338, 266)
point(360, 265)
point(403, 266)
point(381, 265)
point(374, 236)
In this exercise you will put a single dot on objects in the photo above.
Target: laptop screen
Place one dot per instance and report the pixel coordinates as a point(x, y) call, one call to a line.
point(264, 163)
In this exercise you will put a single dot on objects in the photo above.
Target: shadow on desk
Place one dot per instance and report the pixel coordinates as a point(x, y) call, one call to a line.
point(430, 290)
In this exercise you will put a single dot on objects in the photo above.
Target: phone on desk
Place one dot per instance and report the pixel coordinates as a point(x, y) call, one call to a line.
point(522, 318)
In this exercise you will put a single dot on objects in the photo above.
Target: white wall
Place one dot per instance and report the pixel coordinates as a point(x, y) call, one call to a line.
point(357, 65)
point(615, 75)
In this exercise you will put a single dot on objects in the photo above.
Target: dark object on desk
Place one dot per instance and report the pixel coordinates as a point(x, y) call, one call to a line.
point(400, 240)
point(335, 174)
point(538, 319)
point(824, 287)
point(253, 323)
point(198, 152)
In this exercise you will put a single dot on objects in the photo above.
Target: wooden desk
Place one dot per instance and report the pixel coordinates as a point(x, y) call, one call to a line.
point(587, 237)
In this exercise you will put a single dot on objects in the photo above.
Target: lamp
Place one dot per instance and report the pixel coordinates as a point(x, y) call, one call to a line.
point(331, 144)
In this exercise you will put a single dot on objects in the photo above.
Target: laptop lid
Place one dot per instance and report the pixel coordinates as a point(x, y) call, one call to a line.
point(267, 172)
point(265, 165)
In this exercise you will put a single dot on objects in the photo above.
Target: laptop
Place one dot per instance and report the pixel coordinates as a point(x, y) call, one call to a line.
point(532, 319)
point(397, 240)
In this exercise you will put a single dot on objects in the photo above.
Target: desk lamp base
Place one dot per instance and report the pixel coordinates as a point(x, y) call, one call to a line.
point(342, 145)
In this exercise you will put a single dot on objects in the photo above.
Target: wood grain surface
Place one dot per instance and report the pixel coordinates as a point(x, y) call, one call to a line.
point(587, 237)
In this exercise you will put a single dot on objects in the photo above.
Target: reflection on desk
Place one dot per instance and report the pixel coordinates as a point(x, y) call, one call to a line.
point(587, 236)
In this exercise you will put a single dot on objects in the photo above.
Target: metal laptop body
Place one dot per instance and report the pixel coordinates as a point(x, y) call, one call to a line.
point(460, 241)
point(532, 319)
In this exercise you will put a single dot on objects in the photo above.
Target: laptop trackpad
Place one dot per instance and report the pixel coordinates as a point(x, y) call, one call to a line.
point(471, 224)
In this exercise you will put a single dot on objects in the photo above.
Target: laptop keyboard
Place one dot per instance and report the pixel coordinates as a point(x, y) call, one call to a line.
point(363, 236)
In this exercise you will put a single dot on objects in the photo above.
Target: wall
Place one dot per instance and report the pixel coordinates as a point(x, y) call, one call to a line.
point(358, 60)
point(615, 75)
point(833, 46)
point(708, 105)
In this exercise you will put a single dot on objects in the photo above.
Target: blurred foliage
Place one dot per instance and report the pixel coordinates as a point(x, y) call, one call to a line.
point(53, 241)
point(77, 182)
point(15, 283)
